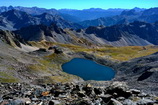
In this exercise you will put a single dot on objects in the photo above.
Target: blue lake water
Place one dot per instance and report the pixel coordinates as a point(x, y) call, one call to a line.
point(88, 70)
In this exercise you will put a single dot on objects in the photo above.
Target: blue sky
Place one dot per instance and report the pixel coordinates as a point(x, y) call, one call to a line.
point(82, 4)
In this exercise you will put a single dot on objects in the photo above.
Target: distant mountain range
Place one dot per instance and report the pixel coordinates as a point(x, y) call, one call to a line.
point(15, 19)
point(70, 18)
point(89, 14)
point(136, 27)
point(68, 14)
point(127, 16)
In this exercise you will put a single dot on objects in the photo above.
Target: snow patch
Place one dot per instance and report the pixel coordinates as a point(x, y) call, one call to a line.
point(142, 26)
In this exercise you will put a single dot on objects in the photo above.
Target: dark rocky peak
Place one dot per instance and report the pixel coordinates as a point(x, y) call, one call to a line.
point(38, 32)
point(149, 12)
point(112, 33)
point(138, 9)
point(14, 18)
point(18, 19)
point(34, 28)
point(79, 30)
point(45, 16)
point(13, 13)
point(55, 28)
point(4, 8)
point(123, 21)
point(49, 19)
point(137, 23)
point(140, 24)
point(156, 24)
point(92, 30)
point(10, 7)
point(129, 13)
point(30, 10)
point(33, 32)
point(143, 30)
point(94, 9)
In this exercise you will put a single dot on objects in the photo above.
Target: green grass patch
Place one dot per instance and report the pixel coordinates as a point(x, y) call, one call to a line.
point(6, 78)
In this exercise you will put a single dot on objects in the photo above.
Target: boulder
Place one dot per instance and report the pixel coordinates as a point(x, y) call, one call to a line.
point(81, 94)
point(119, 89)
point(114, 102)
point(56, 49)
point(129, 102)
point(98, 91)
point(88, 90)
point(135, 91)
point(106, 98)
point(54, 102)
point(145, 101)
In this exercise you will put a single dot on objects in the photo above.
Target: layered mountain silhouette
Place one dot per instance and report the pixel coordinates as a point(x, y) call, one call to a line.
point(92, 13)
point(30, 10)
point(15, 19)
point(127, 16)
point(124, 29)
point(67, 18)
point(68, 14)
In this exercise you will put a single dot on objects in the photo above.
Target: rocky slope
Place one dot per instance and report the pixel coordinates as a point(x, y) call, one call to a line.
point(10, 38)
point(116, 93)
point(23, 63)
point(140, 71)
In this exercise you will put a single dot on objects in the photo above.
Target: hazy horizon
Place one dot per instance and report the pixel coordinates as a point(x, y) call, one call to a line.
point(82, 4)
point(75, 9)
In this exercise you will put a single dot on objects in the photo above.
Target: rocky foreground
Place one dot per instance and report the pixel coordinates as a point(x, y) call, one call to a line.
point(116, 93)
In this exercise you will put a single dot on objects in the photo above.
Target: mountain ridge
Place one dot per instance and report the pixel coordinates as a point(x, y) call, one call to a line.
point(126, 16)
point(12, 20)
point(133, 34)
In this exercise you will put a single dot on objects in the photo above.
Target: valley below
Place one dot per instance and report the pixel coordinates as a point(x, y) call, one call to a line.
point(33, 74)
